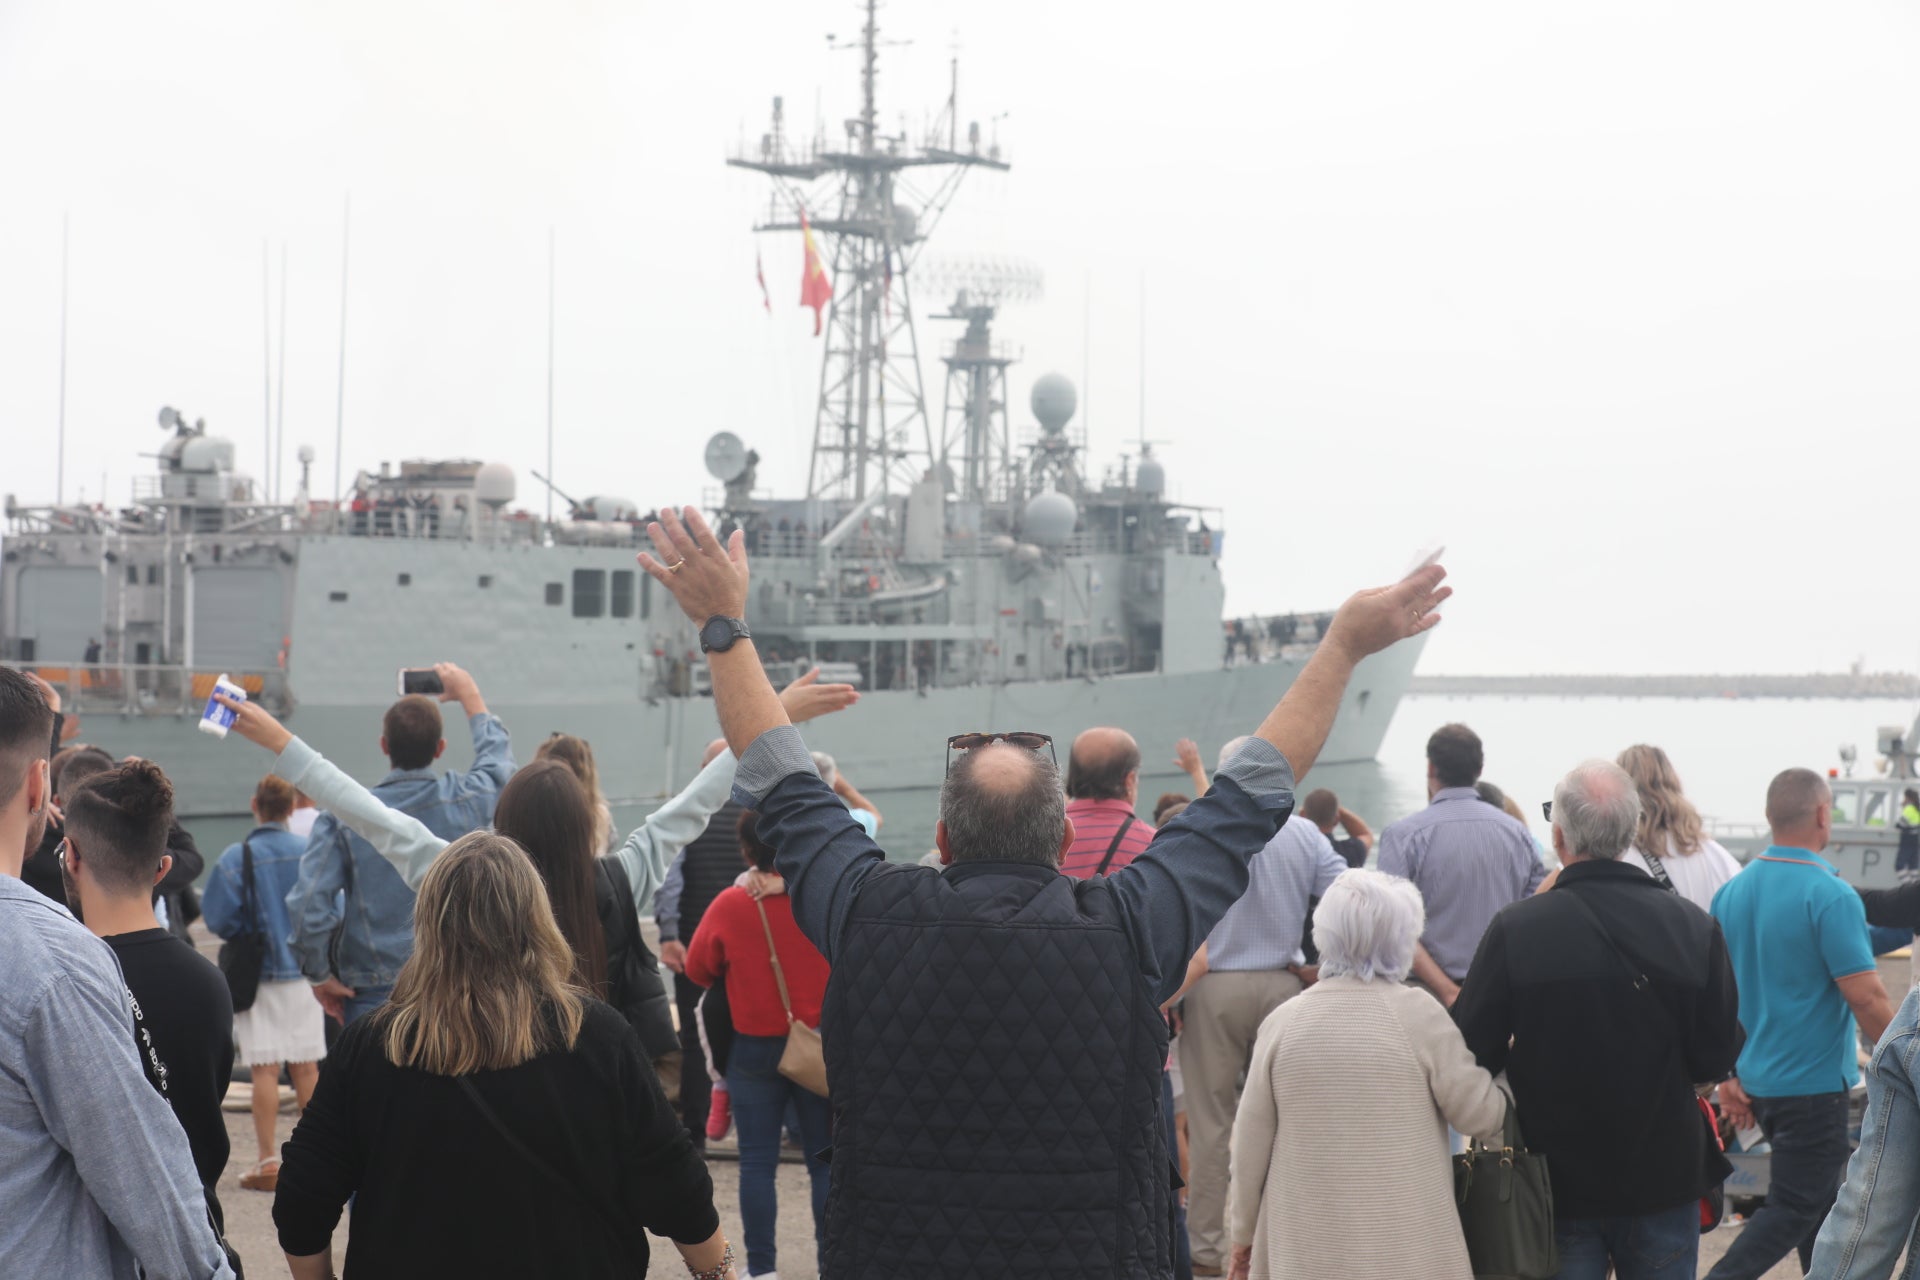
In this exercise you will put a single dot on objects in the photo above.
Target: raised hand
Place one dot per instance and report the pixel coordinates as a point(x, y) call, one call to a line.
point(1372, 620)
point(708, 579)
point(807, 699)
point(458, 686)
point(1186, 754)
point(256, 724)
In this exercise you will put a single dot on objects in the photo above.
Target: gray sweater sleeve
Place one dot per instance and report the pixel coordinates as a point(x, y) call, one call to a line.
point(84, 1072)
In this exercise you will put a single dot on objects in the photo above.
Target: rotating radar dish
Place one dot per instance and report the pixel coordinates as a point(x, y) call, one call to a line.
point(726, 457)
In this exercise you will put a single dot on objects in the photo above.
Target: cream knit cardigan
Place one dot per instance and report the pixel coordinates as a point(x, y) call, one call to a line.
point(1340, 1162)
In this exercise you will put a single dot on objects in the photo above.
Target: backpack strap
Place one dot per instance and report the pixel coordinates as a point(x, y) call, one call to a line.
point(1114, 848)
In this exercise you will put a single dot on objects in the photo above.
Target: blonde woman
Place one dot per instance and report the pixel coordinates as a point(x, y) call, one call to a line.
point(1683, 858)
point(1340, 1162)
point(577, 755)
point(491, 1119)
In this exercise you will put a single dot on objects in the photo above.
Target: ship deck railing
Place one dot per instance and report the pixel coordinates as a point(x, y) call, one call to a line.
point(152, 689)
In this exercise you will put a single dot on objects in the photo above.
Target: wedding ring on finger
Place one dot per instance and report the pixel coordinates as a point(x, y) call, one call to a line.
point(676, 566)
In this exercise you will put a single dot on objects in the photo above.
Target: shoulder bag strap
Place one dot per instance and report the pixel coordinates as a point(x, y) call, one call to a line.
point(249, 893)
point(573, 1190)
point(779, 975)
point(1114, 848)
point(1659, 871)
point(1641, 982)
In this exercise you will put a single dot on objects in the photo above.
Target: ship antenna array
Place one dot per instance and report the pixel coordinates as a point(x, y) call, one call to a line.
point(858, 199)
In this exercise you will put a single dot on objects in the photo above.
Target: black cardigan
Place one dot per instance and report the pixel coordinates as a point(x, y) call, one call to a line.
point(440, 1192)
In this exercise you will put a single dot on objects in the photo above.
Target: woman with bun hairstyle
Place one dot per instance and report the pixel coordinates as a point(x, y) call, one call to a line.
point(285, 1025)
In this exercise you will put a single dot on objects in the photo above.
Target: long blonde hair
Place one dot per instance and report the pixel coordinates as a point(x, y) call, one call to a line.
point(1665, 812)
point(488, 985)
point(577, 755)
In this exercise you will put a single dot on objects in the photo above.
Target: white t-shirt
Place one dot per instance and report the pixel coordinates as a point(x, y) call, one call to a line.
point(301, 821)
point(1698, 876)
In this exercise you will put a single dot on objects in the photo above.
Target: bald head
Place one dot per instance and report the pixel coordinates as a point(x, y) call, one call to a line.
point(1003, 804)
point(1596, 810)
point(1800, 808)
point(714, 749)
point(1104, 765)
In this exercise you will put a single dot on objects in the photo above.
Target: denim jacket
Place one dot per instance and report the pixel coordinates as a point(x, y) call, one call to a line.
point(346, 886)
point(276, 866)
point(1875, 1213)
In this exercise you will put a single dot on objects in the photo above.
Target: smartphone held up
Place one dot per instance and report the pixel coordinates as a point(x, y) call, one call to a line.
point(422, 680)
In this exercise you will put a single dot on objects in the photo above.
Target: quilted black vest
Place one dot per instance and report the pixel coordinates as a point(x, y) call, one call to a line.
point(710, 865)
point(995, 1058)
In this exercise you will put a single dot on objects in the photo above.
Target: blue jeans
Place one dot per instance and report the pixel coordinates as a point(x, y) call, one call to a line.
point(761, 1096)
point(364, 1001)
point(1878, 1205)
point(1652, 1246)
point(1809, 1137)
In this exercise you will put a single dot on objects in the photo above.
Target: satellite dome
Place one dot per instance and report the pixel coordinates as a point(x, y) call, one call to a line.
point(493, 485)
point(1050, 517)
point(1054, 401)
point(1151, 477)
point(726, 457)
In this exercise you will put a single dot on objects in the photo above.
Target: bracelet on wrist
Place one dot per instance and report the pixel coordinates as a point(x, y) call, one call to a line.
point(720, 1272)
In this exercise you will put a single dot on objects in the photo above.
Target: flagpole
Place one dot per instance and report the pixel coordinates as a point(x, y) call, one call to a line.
point(340, 392)
point(60, 454)
point(551, 266)
point(266, 370)
point(280, 408)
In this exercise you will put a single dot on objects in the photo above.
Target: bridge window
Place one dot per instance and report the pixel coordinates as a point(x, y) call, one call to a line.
point(589, 593)
point(153, 575)
point(646, 596)
point(406, 579)
point(621, 605)
point(486, 580)
point(1846, 806)
point(133, 575)
point(556, 594)
point(337, 597)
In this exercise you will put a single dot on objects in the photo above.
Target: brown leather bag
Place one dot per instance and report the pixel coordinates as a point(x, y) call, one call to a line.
point(804, 1060)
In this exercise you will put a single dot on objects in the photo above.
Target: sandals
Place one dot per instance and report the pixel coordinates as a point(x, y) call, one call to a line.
point(264, 1176)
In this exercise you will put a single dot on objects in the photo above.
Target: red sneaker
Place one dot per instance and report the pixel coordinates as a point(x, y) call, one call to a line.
point(719, 1116)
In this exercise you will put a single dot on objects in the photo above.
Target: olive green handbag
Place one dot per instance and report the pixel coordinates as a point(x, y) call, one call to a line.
point(1506, 1208)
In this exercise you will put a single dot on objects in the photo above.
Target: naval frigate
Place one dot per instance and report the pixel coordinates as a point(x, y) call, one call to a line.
point(965, 575)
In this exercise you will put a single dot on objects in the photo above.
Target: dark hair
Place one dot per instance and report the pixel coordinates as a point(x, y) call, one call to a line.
point(1456, 755)
point(26, 731)
point(1104, 777)
point(544, 809)
point(756, 851)
point(1019, 823)
point(75, 765)
point(1171, 812)
point(413, 729)
point(1166, 802)
point(273, 798)
point(122, 815)
point(1321, 808)
point(1911, 796)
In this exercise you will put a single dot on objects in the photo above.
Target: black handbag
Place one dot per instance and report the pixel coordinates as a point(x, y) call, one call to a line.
point(1506, 1208)
point(244, 954)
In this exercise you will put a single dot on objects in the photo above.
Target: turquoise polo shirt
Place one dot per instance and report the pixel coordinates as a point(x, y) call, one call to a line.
point(1793, 927)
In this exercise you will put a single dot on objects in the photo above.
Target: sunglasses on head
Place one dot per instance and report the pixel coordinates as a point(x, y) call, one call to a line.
point(1025, 739)
point(1546, 810)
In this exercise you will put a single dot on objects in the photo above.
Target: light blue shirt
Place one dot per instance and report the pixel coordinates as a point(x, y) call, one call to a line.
point(1468, 859)
point(96, 1178)
point(1263, 929)
point(1793, 927)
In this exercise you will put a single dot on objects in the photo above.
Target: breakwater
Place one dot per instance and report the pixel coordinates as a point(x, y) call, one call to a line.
point(1815, 685)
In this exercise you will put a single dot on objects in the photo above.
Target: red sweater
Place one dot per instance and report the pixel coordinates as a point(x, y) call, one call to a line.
point(731, 944)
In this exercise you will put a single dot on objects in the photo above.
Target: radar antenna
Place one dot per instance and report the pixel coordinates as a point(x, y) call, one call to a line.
point(976, 445)
point(872, 403)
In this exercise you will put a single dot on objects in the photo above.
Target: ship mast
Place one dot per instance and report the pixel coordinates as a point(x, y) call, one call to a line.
point(872, 433)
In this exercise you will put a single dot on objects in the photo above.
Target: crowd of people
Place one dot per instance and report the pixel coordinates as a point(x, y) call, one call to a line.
point(1243, 1038)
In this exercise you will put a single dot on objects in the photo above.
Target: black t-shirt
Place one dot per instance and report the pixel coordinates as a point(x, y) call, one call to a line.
point(1353, 849)
point(183, 1028)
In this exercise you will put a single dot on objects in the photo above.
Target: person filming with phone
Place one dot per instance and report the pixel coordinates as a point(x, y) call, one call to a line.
point(352, 912)
point(993, 1040)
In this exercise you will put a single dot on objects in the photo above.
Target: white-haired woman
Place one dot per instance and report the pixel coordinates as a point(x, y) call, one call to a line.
point(1340, 1156)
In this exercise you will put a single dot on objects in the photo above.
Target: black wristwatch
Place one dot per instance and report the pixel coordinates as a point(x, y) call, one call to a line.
point(717, 634)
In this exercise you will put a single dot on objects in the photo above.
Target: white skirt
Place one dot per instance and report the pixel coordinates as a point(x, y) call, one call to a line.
point(286, 1024)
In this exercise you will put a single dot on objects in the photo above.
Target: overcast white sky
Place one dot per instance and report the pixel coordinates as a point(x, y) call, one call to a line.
point(1618, 299)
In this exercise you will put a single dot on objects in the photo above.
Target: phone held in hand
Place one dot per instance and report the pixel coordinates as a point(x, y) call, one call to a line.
point(424, 680)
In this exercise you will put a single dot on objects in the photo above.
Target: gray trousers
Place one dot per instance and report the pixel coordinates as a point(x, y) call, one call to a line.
point(1223, 1014)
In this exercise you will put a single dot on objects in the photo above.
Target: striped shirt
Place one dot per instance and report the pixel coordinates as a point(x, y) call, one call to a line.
point(1095, 824)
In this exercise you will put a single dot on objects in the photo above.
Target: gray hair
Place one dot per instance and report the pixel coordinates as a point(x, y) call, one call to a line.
point(1366, 926)
point(1232, 749)
point(829, 771)
point(1597, 809)
point(1021, 821)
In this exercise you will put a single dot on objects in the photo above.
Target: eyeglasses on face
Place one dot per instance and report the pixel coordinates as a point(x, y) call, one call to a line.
point(1546, 810)
point(1025, 739)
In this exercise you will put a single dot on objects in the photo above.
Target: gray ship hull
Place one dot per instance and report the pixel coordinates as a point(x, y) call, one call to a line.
point(893, 740)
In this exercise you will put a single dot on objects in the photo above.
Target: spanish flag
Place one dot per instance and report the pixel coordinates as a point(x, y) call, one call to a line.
point(816, 287)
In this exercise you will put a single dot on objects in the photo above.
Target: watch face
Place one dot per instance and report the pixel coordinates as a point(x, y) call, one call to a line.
point(717, 634)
